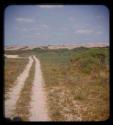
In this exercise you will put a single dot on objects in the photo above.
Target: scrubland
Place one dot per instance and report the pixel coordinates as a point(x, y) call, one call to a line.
point(76, 81)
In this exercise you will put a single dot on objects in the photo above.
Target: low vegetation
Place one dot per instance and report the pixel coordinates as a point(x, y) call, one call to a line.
point(12, 69)
point(23, 103)
point(77, 83)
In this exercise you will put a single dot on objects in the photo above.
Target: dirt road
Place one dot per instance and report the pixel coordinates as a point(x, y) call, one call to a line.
point(38, 110)
point(38, 104)
point(14, 93)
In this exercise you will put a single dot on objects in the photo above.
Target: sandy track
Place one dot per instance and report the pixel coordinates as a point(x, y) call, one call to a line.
point(38, 104)
point(14, 93)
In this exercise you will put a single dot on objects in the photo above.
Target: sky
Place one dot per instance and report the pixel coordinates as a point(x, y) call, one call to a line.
point(56, 24)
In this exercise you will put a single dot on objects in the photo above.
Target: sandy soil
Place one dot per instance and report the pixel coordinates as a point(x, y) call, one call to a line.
point(11, 56)
point(38, 99)
point(14, 92)
point(38, 104)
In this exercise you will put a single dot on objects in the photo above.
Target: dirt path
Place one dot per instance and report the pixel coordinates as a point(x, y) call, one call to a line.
point(14, 92)
point(38, 99)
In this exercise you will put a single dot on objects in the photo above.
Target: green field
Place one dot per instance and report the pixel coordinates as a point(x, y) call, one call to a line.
point(76, 82)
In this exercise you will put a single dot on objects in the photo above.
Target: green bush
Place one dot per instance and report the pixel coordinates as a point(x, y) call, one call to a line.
point(86, 59)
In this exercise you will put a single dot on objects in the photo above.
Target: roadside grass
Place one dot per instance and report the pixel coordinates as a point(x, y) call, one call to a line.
point(77, 83)
point(12, 68)
point(23, 103)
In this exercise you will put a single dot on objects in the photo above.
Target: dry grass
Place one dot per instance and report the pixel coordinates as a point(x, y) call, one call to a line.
point(75, 94)
point(23, 103)
point(80, 98)
point(76, 81)
point(13, 67)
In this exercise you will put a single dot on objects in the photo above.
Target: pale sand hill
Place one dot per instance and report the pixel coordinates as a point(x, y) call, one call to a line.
point(68, 46)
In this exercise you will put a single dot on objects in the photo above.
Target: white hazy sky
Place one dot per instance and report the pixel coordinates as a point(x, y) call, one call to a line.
point(56, 24)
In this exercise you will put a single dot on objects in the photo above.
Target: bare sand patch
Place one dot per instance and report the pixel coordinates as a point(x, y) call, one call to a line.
point(12, 56)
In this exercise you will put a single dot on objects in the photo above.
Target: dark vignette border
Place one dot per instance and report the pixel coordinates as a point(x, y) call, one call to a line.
point(4, 4)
